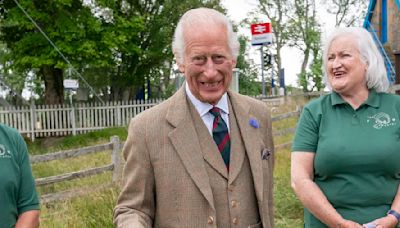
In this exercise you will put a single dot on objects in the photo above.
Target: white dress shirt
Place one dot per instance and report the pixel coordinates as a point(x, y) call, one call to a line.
point(204, 108)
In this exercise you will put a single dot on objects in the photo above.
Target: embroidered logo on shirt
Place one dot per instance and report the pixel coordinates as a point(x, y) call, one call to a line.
point(3, 152)
point(382, 120)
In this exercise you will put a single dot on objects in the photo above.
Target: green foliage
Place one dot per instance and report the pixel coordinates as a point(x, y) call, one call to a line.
point(311, 79)
point(306, 35)
point(316, 73)
point(69, 24)
point(148, 57)
point(248, 84)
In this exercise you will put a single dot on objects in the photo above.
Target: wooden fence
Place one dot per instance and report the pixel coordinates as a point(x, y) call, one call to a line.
point(115, 166)
point(60, 120)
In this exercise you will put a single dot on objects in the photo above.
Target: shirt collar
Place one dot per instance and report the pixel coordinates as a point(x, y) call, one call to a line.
point(202, 107)
point(373, 99)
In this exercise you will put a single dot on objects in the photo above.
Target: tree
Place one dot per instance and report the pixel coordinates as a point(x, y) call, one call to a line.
point(149, 58)
point(278, 11)
point(248, 72)
point(118, 46)
point(69, 24)
point(305, 35)
point(347, 12)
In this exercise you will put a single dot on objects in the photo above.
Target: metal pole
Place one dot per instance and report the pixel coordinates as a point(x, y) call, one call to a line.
point(262, 70)
point(272, 75)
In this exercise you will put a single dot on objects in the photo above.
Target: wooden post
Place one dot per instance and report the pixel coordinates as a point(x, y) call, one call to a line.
point(115, 158)
point(118, 107)
point(33, 119)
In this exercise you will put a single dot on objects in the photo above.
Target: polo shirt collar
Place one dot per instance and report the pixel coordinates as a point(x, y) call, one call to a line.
point(373, 99)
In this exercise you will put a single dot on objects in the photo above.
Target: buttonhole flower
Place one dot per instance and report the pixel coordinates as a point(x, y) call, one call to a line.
point(254, 123)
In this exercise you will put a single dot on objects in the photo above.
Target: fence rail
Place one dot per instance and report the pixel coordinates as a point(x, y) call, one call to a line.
point(115, 166)
point(60, 120)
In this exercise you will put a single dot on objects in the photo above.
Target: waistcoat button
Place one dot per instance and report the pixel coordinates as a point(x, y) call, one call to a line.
point(210, 220)
point(234, 203)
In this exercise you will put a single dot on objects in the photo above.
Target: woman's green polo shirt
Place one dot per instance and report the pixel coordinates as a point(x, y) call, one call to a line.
point(17, 185)
point(357, 153)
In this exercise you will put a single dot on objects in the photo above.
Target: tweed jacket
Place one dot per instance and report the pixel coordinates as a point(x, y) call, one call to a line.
point(165, 183)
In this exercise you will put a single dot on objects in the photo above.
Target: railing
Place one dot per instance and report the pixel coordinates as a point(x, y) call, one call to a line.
point(388, 64)
point(60, 120)
point(285, 131)
point(115, 166)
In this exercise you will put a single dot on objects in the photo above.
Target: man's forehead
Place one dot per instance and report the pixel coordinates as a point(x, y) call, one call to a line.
point(203, 26)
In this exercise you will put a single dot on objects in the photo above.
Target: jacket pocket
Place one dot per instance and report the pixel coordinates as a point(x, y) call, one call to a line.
point(258, 225)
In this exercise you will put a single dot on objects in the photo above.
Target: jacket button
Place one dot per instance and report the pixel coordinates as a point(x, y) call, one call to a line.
point(234, 203)
point(235, 221)
point(231, 187)
point(210, 220)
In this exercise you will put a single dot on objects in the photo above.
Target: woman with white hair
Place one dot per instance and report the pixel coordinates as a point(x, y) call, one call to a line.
point(346, 152)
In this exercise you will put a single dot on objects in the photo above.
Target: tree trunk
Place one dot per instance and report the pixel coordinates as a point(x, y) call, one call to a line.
point(53, 82)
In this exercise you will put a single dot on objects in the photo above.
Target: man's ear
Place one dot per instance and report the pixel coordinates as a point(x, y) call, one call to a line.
point(234, 63)
point(181, 67)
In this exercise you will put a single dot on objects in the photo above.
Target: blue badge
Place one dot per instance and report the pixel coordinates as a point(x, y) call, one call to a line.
point(254, 123)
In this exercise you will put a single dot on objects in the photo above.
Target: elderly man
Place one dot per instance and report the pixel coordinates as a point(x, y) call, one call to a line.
point(204, 157)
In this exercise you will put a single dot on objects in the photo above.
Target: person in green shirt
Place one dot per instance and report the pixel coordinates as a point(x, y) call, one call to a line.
point(19, 203)
point(345, 164)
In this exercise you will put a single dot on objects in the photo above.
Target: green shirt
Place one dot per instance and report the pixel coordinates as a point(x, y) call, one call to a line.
point(17, 186)
point(357, 153)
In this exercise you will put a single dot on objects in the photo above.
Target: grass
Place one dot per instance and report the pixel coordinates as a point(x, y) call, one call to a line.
point(288, 210)
point(95, 209)
point(91, 210)
point(46, 145)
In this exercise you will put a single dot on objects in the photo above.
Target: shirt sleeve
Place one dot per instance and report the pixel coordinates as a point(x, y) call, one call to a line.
point(307, 132)
point(27, 195)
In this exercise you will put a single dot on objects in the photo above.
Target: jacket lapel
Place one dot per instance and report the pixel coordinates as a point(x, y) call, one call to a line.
point(251, 140)
point(186, 143)
point(208, 147)
point(237, 153)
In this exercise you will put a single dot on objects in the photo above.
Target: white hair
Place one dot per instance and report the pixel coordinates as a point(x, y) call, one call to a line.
point(206, 17)
point(376, 75)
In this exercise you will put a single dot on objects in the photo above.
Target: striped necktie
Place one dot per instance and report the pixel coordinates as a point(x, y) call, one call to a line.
point(221, 135)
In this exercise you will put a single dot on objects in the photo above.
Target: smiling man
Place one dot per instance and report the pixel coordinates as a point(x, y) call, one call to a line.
point(204, 157)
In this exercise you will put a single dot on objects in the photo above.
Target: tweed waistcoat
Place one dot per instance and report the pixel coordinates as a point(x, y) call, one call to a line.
point(234, 195)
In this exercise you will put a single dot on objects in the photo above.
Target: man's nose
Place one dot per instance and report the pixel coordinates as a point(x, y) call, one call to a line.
point(210, 68)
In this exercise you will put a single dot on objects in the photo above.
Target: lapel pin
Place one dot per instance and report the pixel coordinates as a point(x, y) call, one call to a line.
point(254, 123)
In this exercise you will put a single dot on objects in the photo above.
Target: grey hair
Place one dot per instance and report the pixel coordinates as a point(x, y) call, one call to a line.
point(203, 16)
point(376, 75)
